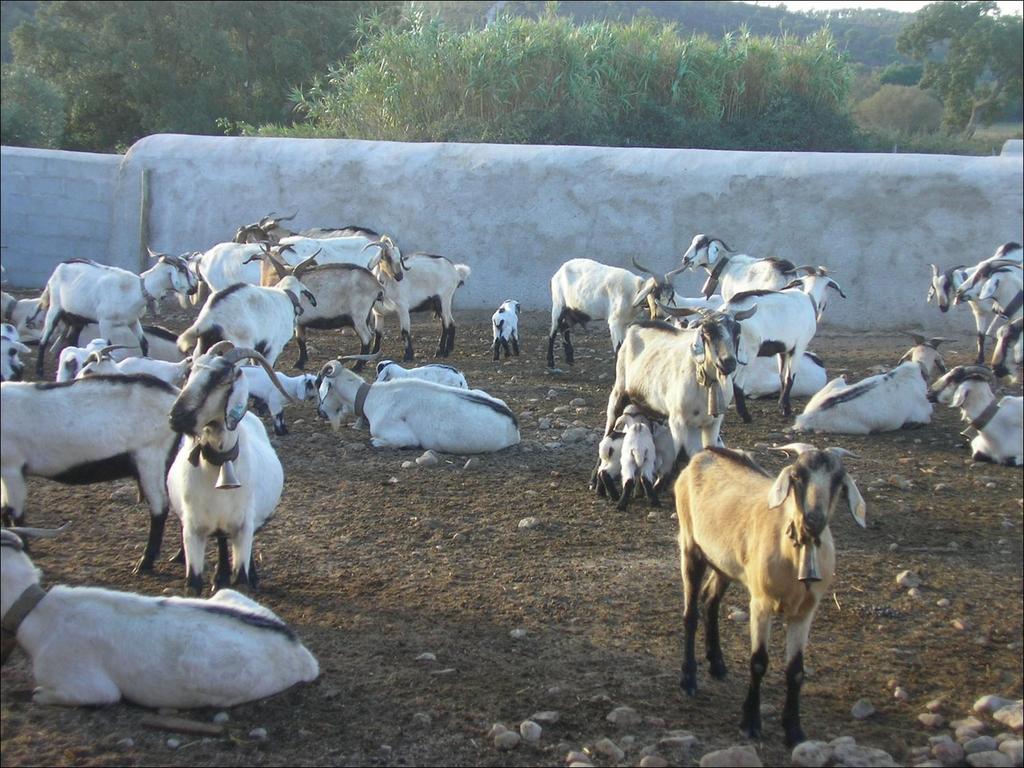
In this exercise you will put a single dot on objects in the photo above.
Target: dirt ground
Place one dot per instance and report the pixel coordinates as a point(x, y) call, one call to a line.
point(374, 565)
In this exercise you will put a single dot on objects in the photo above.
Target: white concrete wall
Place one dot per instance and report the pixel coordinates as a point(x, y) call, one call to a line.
point(514, 213)
point(55, 206)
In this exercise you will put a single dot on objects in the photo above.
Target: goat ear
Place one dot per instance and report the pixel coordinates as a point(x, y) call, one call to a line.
point(958, 397)
point(858, 508)
point(780, 489)
point(833, 284)
point(644, 292)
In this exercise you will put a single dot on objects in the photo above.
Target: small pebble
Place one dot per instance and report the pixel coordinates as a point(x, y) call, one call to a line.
point(943, 603)
point(260, 734)
point(421, 718)
point(408, 464)
point(738, 757)
point(173, 743)
point(528, 522)
point(653, 761)
point(738, 615)
point(471, 463)
point(530, 731)
point(900, 694)
point(507, 740)
point(862, 709)
point(609, 749)
point(221, 717)
point(548, 717)
point(948, 752)
point(575, 757)
point(624, 717)
point(126, 743)
point(935, 705)
point(517, 634)
point(495, 730)
point(991, 703)
point(980, 744)
point(428, 657)
point(989, 760)
point(428, 459)
point(908, 579)
point(914, 592)
point(930, 720)
point(576, 402)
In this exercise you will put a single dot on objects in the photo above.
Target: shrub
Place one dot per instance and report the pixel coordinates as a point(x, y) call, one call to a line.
point(901, 108)
point(33, 109)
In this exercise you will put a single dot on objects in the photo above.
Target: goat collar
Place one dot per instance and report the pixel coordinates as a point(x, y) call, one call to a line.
point(1013, 307)
point(295, 302)
point(22, 607)
point(712, 282)
point(978, 424)
point(212, 456)
point(361, 393)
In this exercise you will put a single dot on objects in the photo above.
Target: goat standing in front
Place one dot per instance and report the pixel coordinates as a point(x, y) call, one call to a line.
point(737, 523)
point(505, 328)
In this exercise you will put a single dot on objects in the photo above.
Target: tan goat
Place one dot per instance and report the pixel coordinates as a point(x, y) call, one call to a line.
point(771, 535)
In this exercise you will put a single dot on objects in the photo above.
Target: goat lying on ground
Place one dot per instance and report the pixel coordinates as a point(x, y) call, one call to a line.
point(11, 367)
point(888, 401)
point(771, 535)
point(411, 413)
point(1009, 351)
point(996, 428)
point(93, 647)
point(389, 370)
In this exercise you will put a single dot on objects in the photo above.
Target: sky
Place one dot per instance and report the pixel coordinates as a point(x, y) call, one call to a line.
point(1006, 7)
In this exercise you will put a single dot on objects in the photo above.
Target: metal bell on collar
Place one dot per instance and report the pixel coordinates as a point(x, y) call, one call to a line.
point(226, 478)
point(809, 569)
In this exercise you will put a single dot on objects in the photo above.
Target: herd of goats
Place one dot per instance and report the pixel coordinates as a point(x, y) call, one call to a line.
point(172, 411)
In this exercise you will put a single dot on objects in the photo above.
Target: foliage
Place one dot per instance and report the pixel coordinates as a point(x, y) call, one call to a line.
point(551, 82)
point(14, 12)
point(983, 63)
point(33, 113)
point(901, 74)
point(900, 108)
point(128, 69)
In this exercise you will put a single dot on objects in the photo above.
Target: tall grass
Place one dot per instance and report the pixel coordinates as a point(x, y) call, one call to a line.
point(549, 81)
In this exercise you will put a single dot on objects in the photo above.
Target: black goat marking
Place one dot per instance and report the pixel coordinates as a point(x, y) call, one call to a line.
point(115, 467)
point(1006, 248)
point(263, 347)
point(239, 614)
point(738, 457)
point(850, 393)
point(329, 323)
point(571, 317)
point(221, 295)
point(431, 303)
point(783, 265)
point(82, 261)
point(815, 359)
point(657, 325)
point(160, 332)
point(140, 379)
point(770, 348)
point(750, 294)
point(494, 405)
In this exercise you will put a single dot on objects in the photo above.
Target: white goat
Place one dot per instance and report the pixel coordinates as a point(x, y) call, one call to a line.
point(943, 288)
point(996, 429)
point(162, 343)
point(94, 647)
point(1009, 350)
point(734, 273)
point(11, 367)
point(1004, 289)
point(89, 431)
point(100, 363)
point(250, 316)
point(761, 377)
point(639, 463)
point(416, 283)
point(110, 296)
point(889, 401)
point(411, 413)
point(608, 472)
point(345, 296)
point(784, 325)
point(773, 537)
point(505, 328)
point(226, 478)
point(684, 376)
point(268, 395)
point(71, 359)
point(23, 314)
point(583, 290)
point(389, 370)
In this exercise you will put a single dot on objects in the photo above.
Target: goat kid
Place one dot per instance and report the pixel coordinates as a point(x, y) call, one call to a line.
point(505, 328)
point(11, 367)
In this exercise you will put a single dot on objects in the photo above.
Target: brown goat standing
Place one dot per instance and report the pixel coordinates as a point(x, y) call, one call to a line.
point(771, 535)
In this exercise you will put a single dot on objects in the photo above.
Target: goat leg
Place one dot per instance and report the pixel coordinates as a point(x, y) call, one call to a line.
point(794, 734)
point(156, 536)
point(740, 398)
point(693, 565)
point(650, 492)
point(222, 576)
point(627, 493)
point(515, 346)
point(714, 591)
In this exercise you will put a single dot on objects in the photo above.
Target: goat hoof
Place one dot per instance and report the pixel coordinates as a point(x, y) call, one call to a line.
point(751, 730)
point(280, 430)
point(718, 670)
point(689, 685)
point(144, 566)
point(795, 736)
point(178, 557)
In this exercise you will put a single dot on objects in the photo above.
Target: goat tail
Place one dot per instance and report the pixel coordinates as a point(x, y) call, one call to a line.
point(44, 300)
point(462, 270)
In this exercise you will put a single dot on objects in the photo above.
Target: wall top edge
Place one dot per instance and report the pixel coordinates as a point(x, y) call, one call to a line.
point(63, 154)
point(169, 143)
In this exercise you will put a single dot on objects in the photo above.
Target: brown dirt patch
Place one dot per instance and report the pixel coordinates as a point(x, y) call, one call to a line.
point(371, 575)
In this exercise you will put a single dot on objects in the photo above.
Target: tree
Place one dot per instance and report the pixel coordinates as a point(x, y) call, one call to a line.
point(33, 113)
point(128, 69)
point(983, 61)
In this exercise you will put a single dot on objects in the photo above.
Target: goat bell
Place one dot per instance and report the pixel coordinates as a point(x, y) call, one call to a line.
point(809, 569)
point(226, 479)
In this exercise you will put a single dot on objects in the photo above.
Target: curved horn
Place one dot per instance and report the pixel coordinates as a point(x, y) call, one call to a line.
point(743, 314)
point(640, 266)
point(288, 218)
point(917, 337)
point(983, 371)
point(644, 292)
point(797, 448)
point(105, 351)
point(38, 533)
point(833, 284)
point(220, 348)
point(673, 273)
point(306, 264)
point(152, 254)
point(934, 342)
point(371, 245)
point(363, 358)
point(405, 264)
point(236, 355)
point(679, 311)
point(841, 453)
